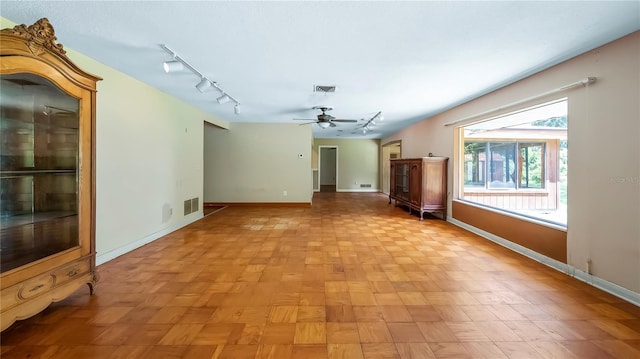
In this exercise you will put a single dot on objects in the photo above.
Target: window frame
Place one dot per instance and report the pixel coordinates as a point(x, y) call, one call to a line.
point(484, 169)
point(546, 133)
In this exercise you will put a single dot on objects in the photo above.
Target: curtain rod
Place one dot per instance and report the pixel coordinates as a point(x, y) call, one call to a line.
point(584, 82)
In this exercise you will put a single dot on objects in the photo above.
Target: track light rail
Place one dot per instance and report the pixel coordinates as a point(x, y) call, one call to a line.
point(214, 84)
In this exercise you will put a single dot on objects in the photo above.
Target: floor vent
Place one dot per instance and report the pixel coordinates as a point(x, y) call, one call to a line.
point(365, 185)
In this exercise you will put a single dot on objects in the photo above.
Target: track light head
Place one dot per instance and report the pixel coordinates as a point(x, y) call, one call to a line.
point(203, 85)
point(236, 109)
point(223, 99)
point(172, 66)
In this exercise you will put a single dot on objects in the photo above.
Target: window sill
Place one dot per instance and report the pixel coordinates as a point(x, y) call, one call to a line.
point(554, 225)
point(510, 191)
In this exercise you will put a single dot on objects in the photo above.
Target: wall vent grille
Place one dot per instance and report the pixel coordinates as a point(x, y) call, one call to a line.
point(191, 205)
point(325, 89)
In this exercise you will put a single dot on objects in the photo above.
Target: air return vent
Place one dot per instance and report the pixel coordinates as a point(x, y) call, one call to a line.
point(325, 89)
point(191, 205)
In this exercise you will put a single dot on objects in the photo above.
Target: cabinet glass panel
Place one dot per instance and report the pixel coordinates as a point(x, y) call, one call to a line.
point(38, 170)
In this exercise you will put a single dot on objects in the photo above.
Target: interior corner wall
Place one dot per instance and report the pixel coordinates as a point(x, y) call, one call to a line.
point(258, 163)
point(604, 153)
point(358, 163)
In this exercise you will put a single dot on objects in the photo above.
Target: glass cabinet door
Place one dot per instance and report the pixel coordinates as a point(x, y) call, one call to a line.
point(39, 126)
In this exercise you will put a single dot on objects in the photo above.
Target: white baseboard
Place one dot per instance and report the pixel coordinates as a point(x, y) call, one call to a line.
point(115, 253)
point(571, 271)
point(611, 288)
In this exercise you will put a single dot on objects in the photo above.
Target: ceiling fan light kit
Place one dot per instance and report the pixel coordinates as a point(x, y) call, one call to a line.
point(178, 64)
point(324, 120)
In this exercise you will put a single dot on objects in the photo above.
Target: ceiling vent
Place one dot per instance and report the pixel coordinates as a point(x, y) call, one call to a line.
point(325, 89)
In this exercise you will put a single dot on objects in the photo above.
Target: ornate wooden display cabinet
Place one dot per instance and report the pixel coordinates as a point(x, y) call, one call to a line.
point(420, 184)
point(47, 170)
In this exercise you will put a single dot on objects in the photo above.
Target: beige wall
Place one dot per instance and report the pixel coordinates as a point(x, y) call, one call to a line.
point(358, 161)
point(254, 162)
point(149, 159)
point(604, 153)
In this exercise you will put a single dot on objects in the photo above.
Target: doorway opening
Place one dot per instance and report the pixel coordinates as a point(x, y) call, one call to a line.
point(390, 151)
point(328, 169)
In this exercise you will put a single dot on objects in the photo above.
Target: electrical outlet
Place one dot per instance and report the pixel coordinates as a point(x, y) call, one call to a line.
point(284, 193)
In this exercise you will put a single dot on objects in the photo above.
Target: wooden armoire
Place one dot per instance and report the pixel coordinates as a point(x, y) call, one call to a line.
point(420, 184)
point(47, 172)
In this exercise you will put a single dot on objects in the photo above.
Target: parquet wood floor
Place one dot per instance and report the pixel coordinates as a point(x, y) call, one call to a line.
point(351, 277)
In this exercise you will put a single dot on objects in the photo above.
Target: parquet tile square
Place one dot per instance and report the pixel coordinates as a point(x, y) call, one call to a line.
point(310, 351)
point(279, 333)
point(380, 351)
point(405, 333)
point(283, 314)
point(310, 333)
point(374, 332)
point(415, 350)
point(395, 313)
point(368, 313)
point(342, 333)
point(344, 351)
point(274, 351)
point(349, 277)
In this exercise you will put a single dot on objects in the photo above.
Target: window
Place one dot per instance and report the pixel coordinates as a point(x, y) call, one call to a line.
point(507, 168)
point(518, 162)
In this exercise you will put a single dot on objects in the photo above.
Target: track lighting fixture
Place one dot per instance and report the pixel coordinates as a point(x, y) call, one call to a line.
point(203, 85)
point(172, 66)
point(178, 64)
point(224, 98)
point(372, 122)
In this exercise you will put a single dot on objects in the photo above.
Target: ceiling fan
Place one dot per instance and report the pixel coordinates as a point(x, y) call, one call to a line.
point(324, 120)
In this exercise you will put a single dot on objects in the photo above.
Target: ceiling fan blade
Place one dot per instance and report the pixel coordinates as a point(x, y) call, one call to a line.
point(339, 120)
point(332, 124)
point(303, 119)
point(307, 123)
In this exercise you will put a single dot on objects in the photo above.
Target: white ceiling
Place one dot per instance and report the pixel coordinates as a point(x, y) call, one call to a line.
point(410, 60)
